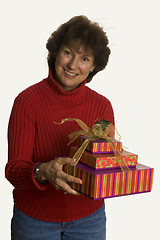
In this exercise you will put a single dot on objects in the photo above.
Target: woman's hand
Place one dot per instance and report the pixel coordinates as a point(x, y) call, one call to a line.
point(52, 171)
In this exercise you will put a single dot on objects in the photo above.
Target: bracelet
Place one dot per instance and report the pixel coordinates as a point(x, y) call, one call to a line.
point(36, 170)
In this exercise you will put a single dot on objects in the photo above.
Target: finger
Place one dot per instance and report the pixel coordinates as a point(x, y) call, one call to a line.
point(57, 187)
point(75, 193)
point(64, 160)
point(68, 178)
point(68, 189)
point(62, 185)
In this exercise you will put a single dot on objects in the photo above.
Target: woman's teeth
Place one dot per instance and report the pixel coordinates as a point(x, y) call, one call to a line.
point(70, 74)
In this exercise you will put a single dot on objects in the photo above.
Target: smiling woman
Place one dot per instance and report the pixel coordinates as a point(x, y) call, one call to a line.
point(73, 67)
point(80, 32)
point(46, 207)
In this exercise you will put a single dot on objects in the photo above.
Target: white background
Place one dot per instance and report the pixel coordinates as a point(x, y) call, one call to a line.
point(130, 81)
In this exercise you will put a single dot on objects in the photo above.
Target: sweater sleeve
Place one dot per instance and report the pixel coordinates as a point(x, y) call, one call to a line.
point(21, 136)
point(108, 112)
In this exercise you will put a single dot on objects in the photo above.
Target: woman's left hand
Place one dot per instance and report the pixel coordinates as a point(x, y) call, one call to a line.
point(53, 172)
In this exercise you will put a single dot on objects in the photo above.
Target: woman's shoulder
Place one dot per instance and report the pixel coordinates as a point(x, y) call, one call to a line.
point(30, 96)
point(95, 96)
point(31, 92)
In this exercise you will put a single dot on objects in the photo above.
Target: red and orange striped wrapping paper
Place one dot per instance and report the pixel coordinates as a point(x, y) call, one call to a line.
point(99, 184)
point(106, 160)
point(101, 146)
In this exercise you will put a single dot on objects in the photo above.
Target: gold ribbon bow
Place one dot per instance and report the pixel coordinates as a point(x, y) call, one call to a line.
point(94, 133)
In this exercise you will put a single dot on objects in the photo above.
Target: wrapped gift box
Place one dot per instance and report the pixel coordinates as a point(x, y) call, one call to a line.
point(99, 184)
point(106, 160)
point(101, 146)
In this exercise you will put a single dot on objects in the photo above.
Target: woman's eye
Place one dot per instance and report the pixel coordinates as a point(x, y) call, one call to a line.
point(67, 52)
point(85, 59)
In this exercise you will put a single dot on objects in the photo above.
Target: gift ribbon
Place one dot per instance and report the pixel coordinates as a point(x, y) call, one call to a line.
point(96, 132)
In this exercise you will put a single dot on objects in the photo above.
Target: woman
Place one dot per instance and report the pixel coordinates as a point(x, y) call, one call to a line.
point(46, 207)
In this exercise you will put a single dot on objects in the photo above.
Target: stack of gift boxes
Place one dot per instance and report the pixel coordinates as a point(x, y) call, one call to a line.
point(102, 174)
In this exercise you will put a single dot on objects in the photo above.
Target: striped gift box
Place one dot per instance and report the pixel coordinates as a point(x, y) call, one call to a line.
point(111, 183)
point(106, 160)
point(101, 146)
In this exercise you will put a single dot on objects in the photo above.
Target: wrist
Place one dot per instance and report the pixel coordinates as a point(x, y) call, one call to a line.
point(37, 173)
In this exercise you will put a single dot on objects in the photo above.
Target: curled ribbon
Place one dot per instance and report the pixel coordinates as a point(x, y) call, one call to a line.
point(97, 131)
point(94, 133)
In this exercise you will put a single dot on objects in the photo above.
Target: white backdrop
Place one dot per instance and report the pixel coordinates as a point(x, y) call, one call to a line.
point(130, 81)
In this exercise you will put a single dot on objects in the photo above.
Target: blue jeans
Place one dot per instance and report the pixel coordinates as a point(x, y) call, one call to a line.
point(92, 227)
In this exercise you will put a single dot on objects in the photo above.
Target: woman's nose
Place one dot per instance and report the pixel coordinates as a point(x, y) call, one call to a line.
point(73, 63)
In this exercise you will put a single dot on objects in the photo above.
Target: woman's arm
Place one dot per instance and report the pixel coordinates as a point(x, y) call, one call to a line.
point(20, 169)
point(21, 136)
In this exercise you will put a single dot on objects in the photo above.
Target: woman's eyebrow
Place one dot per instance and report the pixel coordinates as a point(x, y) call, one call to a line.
point(72, 49)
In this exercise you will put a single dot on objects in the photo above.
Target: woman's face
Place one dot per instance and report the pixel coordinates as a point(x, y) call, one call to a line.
point(72, 66)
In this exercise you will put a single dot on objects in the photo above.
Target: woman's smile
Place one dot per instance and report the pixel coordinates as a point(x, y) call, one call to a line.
point(70, 74)
point(72, 67)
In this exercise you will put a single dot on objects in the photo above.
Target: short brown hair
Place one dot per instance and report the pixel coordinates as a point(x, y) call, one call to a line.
point(91, 35)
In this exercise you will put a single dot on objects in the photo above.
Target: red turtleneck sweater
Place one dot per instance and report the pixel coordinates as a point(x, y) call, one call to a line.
point(34, 138)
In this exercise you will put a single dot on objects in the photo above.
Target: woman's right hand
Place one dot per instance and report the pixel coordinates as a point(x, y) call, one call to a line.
point(52, 171)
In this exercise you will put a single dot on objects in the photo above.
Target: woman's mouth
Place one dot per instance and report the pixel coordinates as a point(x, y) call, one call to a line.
point(70, 74)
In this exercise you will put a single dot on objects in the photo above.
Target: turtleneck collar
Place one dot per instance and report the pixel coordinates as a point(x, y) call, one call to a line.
point(58, 93)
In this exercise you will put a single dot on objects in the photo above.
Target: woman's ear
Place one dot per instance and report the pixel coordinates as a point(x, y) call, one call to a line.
point(92, 69)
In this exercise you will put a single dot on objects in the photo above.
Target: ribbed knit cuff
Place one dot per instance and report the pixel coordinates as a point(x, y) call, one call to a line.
point(38, 184)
